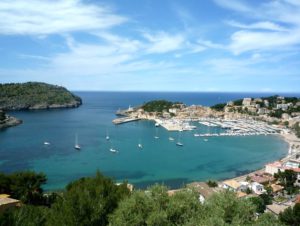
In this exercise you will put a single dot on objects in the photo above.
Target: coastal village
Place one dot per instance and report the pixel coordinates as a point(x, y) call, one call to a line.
point(277, 184)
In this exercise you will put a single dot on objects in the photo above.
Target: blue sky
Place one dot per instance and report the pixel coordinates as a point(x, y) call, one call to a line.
point(152, 45)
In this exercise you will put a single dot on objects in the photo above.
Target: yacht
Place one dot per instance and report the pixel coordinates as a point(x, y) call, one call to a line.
point(179, 144)
point(77, 146)
point(46, 143)
point(171, 139)
point(113, 150)
point(178, 141)
point(107, 136)
point(157, 124)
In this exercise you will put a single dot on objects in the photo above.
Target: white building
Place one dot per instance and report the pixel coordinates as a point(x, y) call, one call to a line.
point(257, 188)
point(247, 101)
point(273, 167)
point(232, 185)
point(173, 110)
point(283, 107)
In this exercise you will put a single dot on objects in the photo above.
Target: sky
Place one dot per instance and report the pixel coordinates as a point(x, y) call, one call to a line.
point(152, 45)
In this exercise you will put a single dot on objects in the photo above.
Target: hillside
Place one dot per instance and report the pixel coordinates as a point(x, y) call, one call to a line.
point(34, 95)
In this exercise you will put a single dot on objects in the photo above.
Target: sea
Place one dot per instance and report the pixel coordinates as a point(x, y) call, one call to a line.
point(159, 161)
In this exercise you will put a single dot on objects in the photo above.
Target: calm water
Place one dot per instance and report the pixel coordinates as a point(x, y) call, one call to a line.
point(159, 161)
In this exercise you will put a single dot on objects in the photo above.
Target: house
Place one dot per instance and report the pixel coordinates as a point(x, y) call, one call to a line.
point(232, 185)
point(283, 107)
point(6, 202)
point(266, 102)
point(173, 110)
point(257, 188)
point(244, 186)
point(247, 101)
point(262, 178)
point(276, 188)
point(276, 208)
point(203, 190)
point(273, 168)
point(285, 116)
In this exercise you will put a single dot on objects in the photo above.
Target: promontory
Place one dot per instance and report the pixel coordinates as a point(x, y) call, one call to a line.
point(35, 95)
point(32, 96)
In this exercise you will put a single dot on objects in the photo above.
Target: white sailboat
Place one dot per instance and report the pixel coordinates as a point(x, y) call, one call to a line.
point(156, 134)
point(178, 140)
point(140, 146)
point(112, 149)
point(171, 139)
point(107, 135)
point(76, 146)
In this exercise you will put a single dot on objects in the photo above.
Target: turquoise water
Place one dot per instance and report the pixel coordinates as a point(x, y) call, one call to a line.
point(159, 161)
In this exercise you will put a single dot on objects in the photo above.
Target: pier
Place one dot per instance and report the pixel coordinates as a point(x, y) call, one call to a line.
point(124, 120)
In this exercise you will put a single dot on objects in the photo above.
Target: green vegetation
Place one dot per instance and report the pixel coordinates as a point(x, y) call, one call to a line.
point(297, 129)
point(287, 179)
point(159, 106)
point(2, 116)
point(291, 216)
point(238, 102)
point(218, 107)
point(18, 96)
point(25, 186)
point(98, 201)
point(277, 113)
point(212, 183)
point(259, 204)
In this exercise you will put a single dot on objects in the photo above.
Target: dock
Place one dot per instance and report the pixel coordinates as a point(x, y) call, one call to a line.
point(124, 120)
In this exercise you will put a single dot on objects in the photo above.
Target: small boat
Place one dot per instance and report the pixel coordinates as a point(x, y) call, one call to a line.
point(196, 135)
point(157, 124)
point(113, 150)
point(179, 144)
point(46, 143)
point(171, 139)
point(77, 146)
point(140, 146)
point(107, 136)
point(205, 140)
point(156, 134)
point(178, 140)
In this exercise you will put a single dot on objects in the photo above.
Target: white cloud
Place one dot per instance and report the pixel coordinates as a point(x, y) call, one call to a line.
point(163, 42)
point(236, 5)
point(276, 26)
point(243, 41)
point(35, 17)
point(263, 25)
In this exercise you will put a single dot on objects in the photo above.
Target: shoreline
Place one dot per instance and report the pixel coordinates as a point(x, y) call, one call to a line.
point(291, 139)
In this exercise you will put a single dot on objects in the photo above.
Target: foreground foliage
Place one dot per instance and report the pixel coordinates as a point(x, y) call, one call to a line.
point(25, 186)
point(98, 201)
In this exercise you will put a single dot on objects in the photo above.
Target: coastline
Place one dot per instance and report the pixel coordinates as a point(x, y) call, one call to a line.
point(292, 140)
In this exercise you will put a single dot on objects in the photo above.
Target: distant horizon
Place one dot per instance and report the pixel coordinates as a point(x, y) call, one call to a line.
point(170, 91)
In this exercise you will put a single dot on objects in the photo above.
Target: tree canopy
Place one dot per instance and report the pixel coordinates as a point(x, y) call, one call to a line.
point(18, 96)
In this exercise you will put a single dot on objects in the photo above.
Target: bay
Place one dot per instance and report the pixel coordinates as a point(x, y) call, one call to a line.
point(160, 160)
